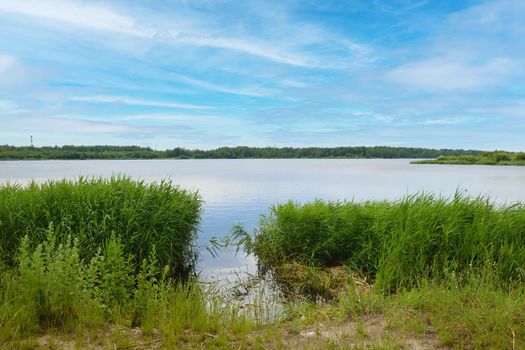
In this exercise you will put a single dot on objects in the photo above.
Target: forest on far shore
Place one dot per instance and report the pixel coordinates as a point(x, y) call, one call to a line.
point(8, 152)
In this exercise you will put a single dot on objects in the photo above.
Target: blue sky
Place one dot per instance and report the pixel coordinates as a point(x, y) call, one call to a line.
point(209, 73)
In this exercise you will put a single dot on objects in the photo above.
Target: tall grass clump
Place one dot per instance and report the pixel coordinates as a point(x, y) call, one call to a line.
point(91, 211)
point(51, 288)
point(398, 244)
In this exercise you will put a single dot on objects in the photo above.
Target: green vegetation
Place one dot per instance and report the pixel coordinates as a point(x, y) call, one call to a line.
point(105, 264)
point(487, 158)
point(78, 152)
point(103, 260)
point(53, 299)
point(143, 216)
point(315, 152)
point(430, 271)
point(52, 289)
point(400, 244)
point(135, 152)
point(471, 313)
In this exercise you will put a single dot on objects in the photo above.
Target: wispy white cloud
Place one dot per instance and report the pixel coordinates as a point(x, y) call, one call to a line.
point(451, 74)
point(446, 121)
point(59, 129)
point(14, 73)
point(62, 124)
point(9, 107)
point(253, 91)
point(398, 8)
point(478, 47)
point(251, 47)
point(197, 32)
point(65, 124)
point(425, 72)
point(135, 102)
point(494, 16)
point(201, 119)
point(291, 51)
point(104, 18)
point(293, 83)
point(7, 62)
point(92, 16)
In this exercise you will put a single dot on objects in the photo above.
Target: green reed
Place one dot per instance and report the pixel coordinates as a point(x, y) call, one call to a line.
point(398, 244)
point(143, 215)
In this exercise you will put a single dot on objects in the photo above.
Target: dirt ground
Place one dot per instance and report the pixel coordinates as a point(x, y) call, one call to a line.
point(371, 332)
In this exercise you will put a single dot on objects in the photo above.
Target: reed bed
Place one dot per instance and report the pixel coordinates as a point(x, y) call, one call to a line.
point(398, 244)
point(150, 217)
point(108, 256)
point(450, 261)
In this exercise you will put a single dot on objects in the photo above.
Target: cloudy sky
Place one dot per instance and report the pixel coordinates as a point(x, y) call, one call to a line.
point(208, 73)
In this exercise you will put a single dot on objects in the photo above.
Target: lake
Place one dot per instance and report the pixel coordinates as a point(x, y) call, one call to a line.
point(238, 191)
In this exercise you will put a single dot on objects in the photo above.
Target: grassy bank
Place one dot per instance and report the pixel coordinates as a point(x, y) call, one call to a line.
point(97, 263)
point(54, 300)
point(142, 215)
point(398, 244)
point(487, 158)
point(419, 273)
point(472, 313)
point(52, 292)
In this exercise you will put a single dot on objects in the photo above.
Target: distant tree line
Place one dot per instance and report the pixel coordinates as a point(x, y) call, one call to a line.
point(315, 152)
point(79, 152)
point(135, 152)
point(485, 158)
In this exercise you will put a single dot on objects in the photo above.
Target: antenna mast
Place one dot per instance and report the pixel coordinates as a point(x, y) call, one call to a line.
point(31, 140)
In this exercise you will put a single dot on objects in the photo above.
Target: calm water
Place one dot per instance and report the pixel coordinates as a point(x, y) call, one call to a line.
point(238, 191)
